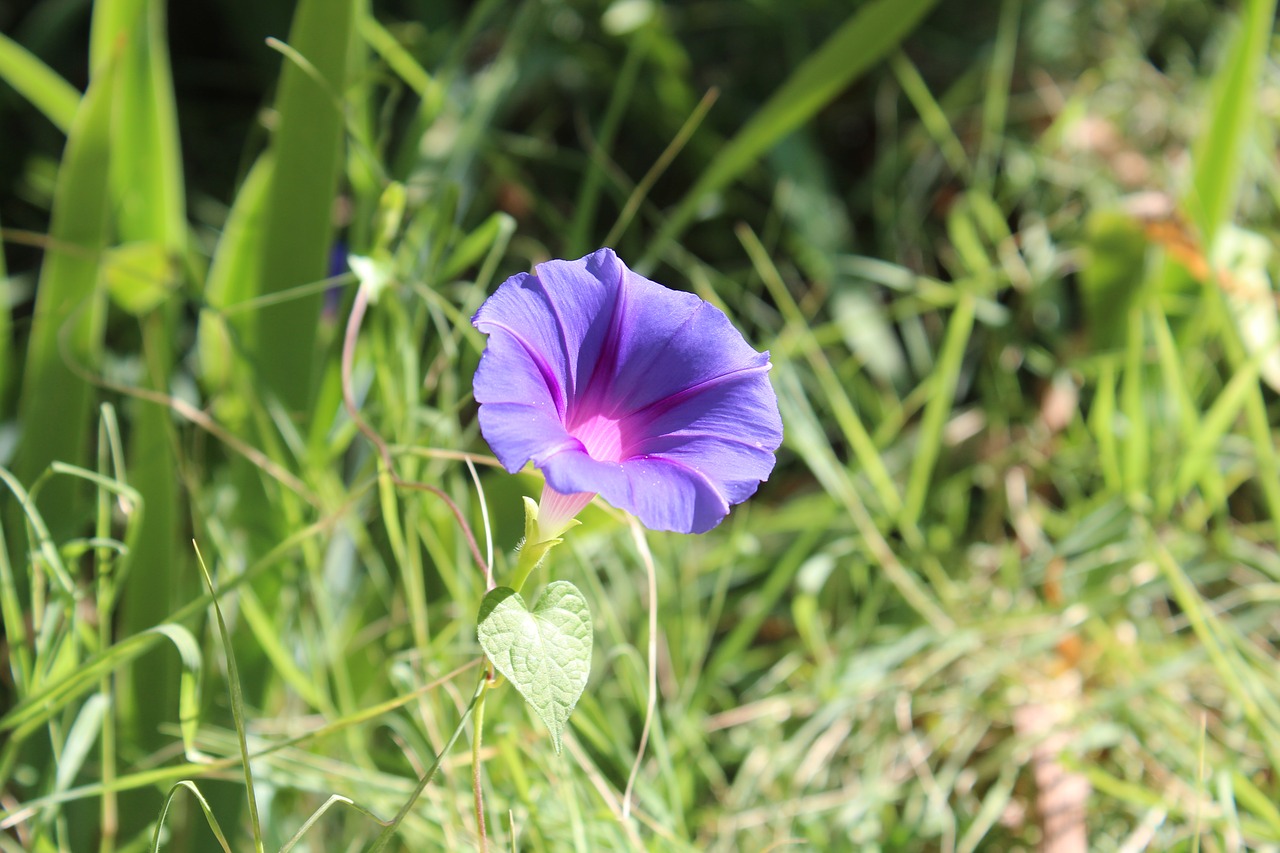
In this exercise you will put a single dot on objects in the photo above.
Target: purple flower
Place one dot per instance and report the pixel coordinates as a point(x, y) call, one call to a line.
point(616, 385)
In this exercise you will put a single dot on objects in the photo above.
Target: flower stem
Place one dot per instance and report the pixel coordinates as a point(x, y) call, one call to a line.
point(477, 772)
point(529, 558)
point(390, 829)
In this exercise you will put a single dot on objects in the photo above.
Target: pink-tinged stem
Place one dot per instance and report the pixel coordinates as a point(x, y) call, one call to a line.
point(358, 309)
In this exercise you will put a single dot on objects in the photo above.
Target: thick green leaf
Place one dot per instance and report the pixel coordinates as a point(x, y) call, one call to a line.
point(148, 199)
point(70, 312)
point(545, 653)
point(307, 150)
point(148, 195)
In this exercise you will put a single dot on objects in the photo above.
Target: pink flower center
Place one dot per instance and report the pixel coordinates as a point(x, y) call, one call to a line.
point(601, 435)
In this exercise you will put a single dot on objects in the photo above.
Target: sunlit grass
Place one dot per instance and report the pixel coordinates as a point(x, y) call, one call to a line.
point(1024, 520)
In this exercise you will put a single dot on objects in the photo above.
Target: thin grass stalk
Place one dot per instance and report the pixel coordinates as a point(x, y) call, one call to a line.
point(477, 769)
point(995, 105)
point(109, 817)
point(1133, 402)
point(864, 449)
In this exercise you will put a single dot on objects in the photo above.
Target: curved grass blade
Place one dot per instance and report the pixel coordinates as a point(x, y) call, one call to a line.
point(44, 541)
point(392, 825)
point(329, 803)
point(163, 775)
point(11, 611)
point(204, 806)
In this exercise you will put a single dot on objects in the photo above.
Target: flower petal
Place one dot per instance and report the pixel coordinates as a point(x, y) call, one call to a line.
point(667, 342)
point(573, 470)
point(668, 495)
point(519, 432)
point(664, 494)
point(726, 430)
point(524, 359)
point(741, 407)
point(581, 297)
point(735, 467)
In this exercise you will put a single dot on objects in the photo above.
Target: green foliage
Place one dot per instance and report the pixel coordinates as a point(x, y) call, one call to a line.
point(138, 276)
point(1014, 264)
point(545, 652)
point(70, 311)
point(865, 38)
point(307, 153)
point(52, 95)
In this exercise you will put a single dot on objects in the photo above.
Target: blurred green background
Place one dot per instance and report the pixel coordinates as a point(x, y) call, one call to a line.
point(1012, 585)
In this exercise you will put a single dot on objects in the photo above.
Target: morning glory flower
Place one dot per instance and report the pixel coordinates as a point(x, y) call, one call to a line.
point(615, 385)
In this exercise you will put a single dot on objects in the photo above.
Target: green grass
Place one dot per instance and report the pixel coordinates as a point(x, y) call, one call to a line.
point(1024, 519)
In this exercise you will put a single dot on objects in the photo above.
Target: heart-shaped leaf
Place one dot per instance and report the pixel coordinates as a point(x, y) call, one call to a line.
point(545, 653)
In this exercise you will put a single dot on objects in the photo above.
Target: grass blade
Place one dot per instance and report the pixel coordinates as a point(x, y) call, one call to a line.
point(148, 193)
point(237, 704)
point(38, 707)
point(84, 731)
point(307, 151)
point(56, 403)
point(232, 276)
point(6, 329)
point(584, 210)
point(204, 807)
point(943, 383)
point(336, 799)
point(995, 106)
point(1217, 154)
point(38, 83)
